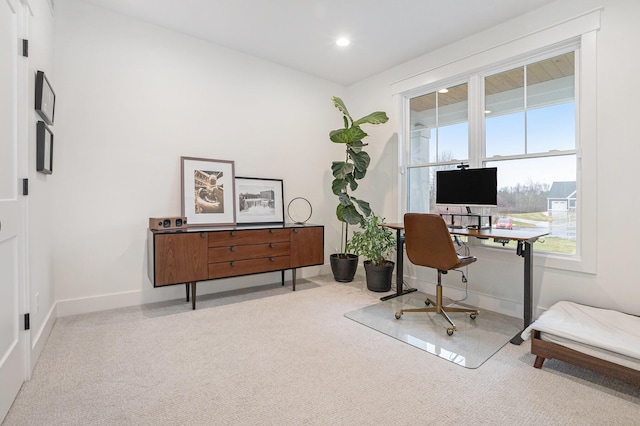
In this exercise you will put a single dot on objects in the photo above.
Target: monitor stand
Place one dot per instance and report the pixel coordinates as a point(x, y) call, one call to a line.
point(469, 213)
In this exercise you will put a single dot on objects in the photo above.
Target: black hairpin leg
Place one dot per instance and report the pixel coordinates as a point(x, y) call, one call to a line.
point(193, 295)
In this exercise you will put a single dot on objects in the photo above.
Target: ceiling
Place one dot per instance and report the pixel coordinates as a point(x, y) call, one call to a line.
point(301, 34)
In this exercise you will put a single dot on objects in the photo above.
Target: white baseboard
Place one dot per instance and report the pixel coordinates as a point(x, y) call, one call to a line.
point(511, 308)
point(83, 305)
point(39, 339)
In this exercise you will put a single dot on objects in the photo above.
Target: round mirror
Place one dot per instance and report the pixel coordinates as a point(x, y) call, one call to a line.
point(299, 210)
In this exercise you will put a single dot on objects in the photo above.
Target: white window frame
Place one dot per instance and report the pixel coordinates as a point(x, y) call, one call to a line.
point(579, 31)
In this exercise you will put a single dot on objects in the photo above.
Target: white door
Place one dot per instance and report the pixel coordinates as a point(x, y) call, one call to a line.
point(13, 366)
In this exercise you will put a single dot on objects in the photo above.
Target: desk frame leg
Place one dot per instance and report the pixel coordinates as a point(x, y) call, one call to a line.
point(399, 268)
point(528, 290)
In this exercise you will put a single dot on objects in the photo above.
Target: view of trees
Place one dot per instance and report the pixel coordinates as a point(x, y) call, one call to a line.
point(531, 197)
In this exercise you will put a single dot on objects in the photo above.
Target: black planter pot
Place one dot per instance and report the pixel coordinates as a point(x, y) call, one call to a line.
point(379, 277)
point(343, 266)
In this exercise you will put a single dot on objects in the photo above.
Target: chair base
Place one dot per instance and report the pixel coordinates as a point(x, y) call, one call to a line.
point(440, 309)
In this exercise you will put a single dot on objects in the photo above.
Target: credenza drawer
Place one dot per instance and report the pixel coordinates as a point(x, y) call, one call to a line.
point(252, 251)
point(253, 236)
point(249, 266)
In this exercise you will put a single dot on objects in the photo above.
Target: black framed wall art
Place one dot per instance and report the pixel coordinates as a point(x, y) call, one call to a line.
point(45, 98)
point(207, 191)
point(44, 148)
point(259, 200)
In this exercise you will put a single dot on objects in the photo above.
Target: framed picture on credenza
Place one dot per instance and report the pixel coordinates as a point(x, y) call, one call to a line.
point(207, 191)
point(259, 200)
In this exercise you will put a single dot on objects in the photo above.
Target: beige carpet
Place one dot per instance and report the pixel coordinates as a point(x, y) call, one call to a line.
point(276, 357)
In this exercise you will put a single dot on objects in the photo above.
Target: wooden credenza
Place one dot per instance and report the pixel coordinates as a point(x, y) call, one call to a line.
point(195, 254)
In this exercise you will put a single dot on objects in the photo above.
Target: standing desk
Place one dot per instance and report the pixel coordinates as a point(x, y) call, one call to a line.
point(524, 249)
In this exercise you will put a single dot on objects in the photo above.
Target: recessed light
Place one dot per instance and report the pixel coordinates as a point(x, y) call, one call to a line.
point(342, 41)
point(443, 91)
point(487, 111)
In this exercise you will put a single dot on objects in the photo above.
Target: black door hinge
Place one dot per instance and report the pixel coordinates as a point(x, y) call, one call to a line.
point(25, 48)
point(27, 325)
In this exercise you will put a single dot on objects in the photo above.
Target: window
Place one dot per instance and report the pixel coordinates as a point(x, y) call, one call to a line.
point(520, 118)
point(439, 136)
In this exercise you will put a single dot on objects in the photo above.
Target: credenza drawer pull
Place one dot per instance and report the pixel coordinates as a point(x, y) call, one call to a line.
point(272, 231)
point(271, 245)
point(273, 259)
point(295, 231)
point(233, 233)
point(232, 248)
point(233, 263)
point(203, 235)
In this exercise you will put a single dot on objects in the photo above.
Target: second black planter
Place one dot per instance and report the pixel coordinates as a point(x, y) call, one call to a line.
point(379, 277)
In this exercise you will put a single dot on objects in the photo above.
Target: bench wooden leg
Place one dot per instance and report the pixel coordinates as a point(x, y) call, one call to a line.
point(538, 362)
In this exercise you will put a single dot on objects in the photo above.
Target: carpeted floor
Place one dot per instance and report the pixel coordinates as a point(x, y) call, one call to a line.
point(276, 357)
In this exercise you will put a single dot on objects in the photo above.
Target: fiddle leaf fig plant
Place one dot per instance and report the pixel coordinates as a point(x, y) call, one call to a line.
point(347, 173)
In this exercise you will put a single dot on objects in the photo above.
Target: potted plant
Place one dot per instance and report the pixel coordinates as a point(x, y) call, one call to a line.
point(375, 243)
point(346, 174)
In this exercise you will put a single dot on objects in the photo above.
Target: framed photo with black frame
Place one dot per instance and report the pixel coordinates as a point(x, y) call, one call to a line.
point(259, 200)
point(207, 191)
point(45, 98)
point(44, 149)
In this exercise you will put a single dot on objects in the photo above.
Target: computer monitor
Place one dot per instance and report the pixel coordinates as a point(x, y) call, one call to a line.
point(467, 187)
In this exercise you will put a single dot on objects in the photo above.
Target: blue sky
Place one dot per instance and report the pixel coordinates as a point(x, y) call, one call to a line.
point(548, 128)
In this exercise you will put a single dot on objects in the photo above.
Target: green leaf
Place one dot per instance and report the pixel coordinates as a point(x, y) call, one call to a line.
point(364, 206)
point(377, 117)
point(357, 146)
point(341, 169)
point(339, 136)
point(344, 199)
point(338, 103)
point(361, 160)
point(339, 185)
point(353, 185)
point(351, 215)
point(372, 241)
point(359, 174)
point(347, 135)
point(357, 134)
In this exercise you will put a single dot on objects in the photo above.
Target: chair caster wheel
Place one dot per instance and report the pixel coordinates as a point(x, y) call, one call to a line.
point(427, 303)
point(473, 316)
point(450, 331)
point(398, 315)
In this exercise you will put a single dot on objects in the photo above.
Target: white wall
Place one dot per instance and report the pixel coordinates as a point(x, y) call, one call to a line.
point(496, 283)
point(132, 99)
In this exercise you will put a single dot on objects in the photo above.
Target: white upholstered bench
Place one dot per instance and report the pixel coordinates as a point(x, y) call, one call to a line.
point(601, 340)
